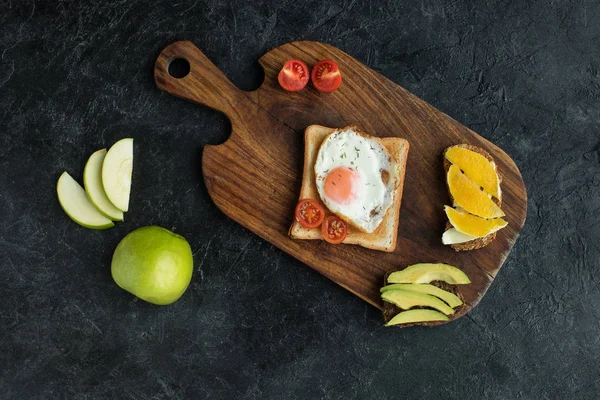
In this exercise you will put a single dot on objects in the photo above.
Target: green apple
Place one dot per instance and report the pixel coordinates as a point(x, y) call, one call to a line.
point(92, 180)
point(450, 298)
point(74, 201)
point(425, 273)
point(153, 264)
point(418, 315)
point(406, 299)
point(117, 168)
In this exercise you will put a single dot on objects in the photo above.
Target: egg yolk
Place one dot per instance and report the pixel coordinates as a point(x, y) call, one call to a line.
point(341, 184)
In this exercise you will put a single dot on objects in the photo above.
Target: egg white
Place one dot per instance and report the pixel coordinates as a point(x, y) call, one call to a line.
point(369, 158)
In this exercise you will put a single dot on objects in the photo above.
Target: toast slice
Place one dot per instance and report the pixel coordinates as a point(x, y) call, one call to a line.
point(391, 310)
point(482, 241)
point(384, 237)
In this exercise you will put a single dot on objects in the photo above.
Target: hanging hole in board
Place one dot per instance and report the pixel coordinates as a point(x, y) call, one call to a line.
point(179, 68)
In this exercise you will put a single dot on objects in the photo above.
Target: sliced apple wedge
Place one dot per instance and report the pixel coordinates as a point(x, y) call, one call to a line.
point(79, 208)
point(92, 180)
point(116, 173)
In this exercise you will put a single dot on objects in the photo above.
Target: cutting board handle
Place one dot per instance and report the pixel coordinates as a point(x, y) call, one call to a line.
point(203, 84)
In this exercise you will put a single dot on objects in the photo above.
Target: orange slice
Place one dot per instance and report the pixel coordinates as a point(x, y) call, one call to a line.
point(469, 196)
point(478, 168)
point(472, 225)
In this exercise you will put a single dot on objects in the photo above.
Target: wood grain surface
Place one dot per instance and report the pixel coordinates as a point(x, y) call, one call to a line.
point(255, 176)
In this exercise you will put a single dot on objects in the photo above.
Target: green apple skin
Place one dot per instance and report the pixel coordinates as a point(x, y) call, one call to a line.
point(154, 264)
point(117, 169)
point(92, 181)
point(77, 206)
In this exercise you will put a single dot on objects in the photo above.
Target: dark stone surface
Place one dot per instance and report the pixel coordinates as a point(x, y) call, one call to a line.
point(255, 323)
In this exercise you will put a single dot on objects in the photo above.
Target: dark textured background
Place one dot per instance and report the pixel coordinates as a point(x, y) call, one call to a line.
point(255, 323)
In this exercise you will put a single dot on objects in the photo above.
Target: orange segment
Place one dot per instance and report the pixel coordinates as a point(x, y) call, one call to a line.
point(468, 195)
point(478, 168)
point(472, 225)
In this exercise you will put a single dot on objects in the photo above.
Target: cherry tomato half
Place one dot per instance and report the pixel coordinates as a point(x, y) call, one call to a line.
point(326, 76)
point(293, 76)
point(309, 213)
point(334, 230)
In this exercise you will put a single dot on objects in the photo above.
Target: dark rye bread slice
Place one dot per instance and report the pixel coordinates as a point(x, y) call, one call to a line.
point(391, 310)
point(483, 241)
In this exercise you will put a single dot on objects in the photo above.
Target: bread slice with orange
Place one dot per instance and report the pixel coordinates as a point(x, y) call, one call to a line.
point(384, 236)
point(474, 185)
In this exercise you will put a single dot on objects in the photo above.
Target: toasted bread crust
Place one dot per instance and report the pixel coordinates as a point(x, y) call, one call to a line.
point(483, 241)
point(384, 238)
point(391, 310)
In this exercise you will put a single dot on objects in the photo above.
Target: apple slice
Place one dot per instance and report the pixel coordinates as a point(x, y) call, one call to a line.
point(116, 173)
point(92, 180)
point(74, 201)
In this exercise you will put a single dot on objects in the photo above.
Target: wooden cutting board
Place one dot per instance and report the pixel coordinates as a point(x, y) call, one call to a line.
point(255, 176)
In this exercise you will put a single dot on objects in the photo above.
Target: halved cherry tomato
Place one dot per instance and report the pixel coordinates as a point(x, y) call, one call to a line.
point(334, 230)
point(309, 213)
point(326, 76)
point(293, 76)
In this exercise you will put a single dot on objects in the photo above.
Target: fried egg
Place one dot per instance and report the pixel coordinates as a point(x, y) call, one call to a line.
point(356, 178)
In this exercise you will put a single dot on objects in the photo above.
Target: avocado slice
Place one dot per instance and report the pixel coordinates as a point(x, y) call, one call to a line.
point(406, 299)
point(425, 273)
point(419, 315)
point(450, 298)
